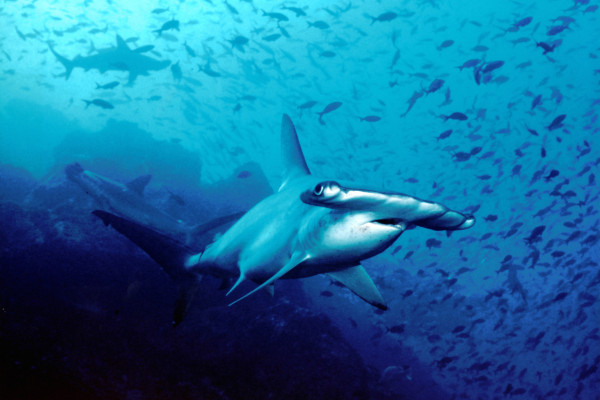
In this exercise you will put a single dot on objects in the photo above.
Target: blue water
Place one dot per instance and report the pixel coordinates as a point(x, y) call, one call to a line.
point(490, 108)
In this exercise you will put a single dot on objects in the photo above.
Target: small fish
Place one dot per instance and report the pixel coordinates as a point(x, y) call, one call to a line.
point(326, 293)
point(309, 104)
point(444, 134)
point(536, 101)
point(239, 42)
point(535, 235)
point(556, 122)
point(100, 103)
point(445, 44)
point(411, 102)
point(469, 63)
point(397, 329)
point(555, 30)
point(458, 329)
point(327, 54)
point(491, 218)
point(480, 48)
point(244, 174)
point(434, 86)
point(109, 85)
point(433, 243)
point(523, 22)
point(370, 118)
point(553, 174)
point(458, 116)
point(489, 67)
point(385, 17)
point(271, 38)
point(329, 108)
point(319, 24)
point(159, 10)
point(167, 26)
point(189, 50)
point(275, 15)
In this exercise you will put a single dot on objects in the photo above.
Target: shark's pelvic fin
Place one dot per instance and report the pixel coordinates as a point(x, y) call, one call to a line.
point(241, 279)
point(271, 289)
point(296, 259)
point(358, 281)
point(139, 184)
point(294, 163)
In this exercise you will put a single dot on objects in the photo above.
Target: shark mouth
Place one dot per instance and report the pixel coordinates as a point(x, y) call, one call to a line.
point(395, 222)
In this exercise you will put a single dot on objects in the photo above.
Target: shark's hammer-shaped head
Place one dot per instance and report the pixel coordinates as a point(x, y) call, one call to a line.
point(357, 226)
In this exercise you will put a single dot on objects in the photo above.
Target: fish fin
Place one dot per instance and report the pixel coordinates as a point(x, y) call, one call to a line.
point(293, 158)
point(296, 259)
point(241, 279)
point(271, 289)
point(121, 44)
point(358, 281)
point(187, 292)
point(139, 184)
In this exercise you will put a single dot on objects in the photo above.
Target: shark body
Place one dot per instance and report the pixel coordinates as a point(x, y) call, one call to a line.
point(118, 58)
point(309, 226)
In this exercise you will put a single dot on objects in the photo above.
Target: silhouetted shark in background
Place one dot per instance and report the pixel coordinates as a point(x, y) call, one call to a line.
point(310, 226)
point(119, 58)
point(125, 199)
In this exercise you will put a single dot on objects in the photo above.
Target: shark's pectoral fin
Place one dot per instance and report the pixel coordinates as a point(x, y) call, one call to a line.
point(187, 292)
point(297, 258)
point(358, 281)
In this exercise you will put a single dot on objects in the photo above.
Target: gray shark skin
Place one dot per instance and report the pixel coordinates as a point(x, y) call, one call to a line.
point(119, 58)
point(310, 226)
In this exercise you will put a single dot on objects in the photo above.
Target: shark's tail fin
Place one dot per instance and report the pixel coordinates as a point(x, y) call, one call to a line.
point(169, 253)
point(64, 61)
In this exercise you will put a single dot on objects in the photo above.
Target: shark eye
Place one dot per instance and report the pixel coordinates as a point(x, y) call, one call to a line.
point(318, 189)
point(326, 190)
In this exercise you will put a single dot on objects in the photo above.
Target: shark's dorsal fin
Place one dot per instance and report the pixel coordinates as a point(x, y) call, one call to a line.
point(294, 164)
point(139, 184)
point(121, 45)
point(358, 281)
point(296, 259)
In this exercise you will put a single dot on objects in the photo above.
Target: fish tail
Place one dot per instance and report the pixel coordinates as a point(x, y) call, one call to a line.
point(64, 61)
point(174, 257)
point(87, 103)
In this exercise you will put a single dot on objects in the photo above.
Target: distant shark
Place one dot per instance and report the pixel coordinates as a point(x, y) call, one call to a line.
point(124, 199)
point(310, 226)
point(119, 58)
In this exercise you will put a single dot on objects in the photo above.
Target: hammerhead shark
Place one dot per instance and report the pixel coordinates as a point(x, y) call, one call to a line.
point(119, 58)
point(310, 226)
